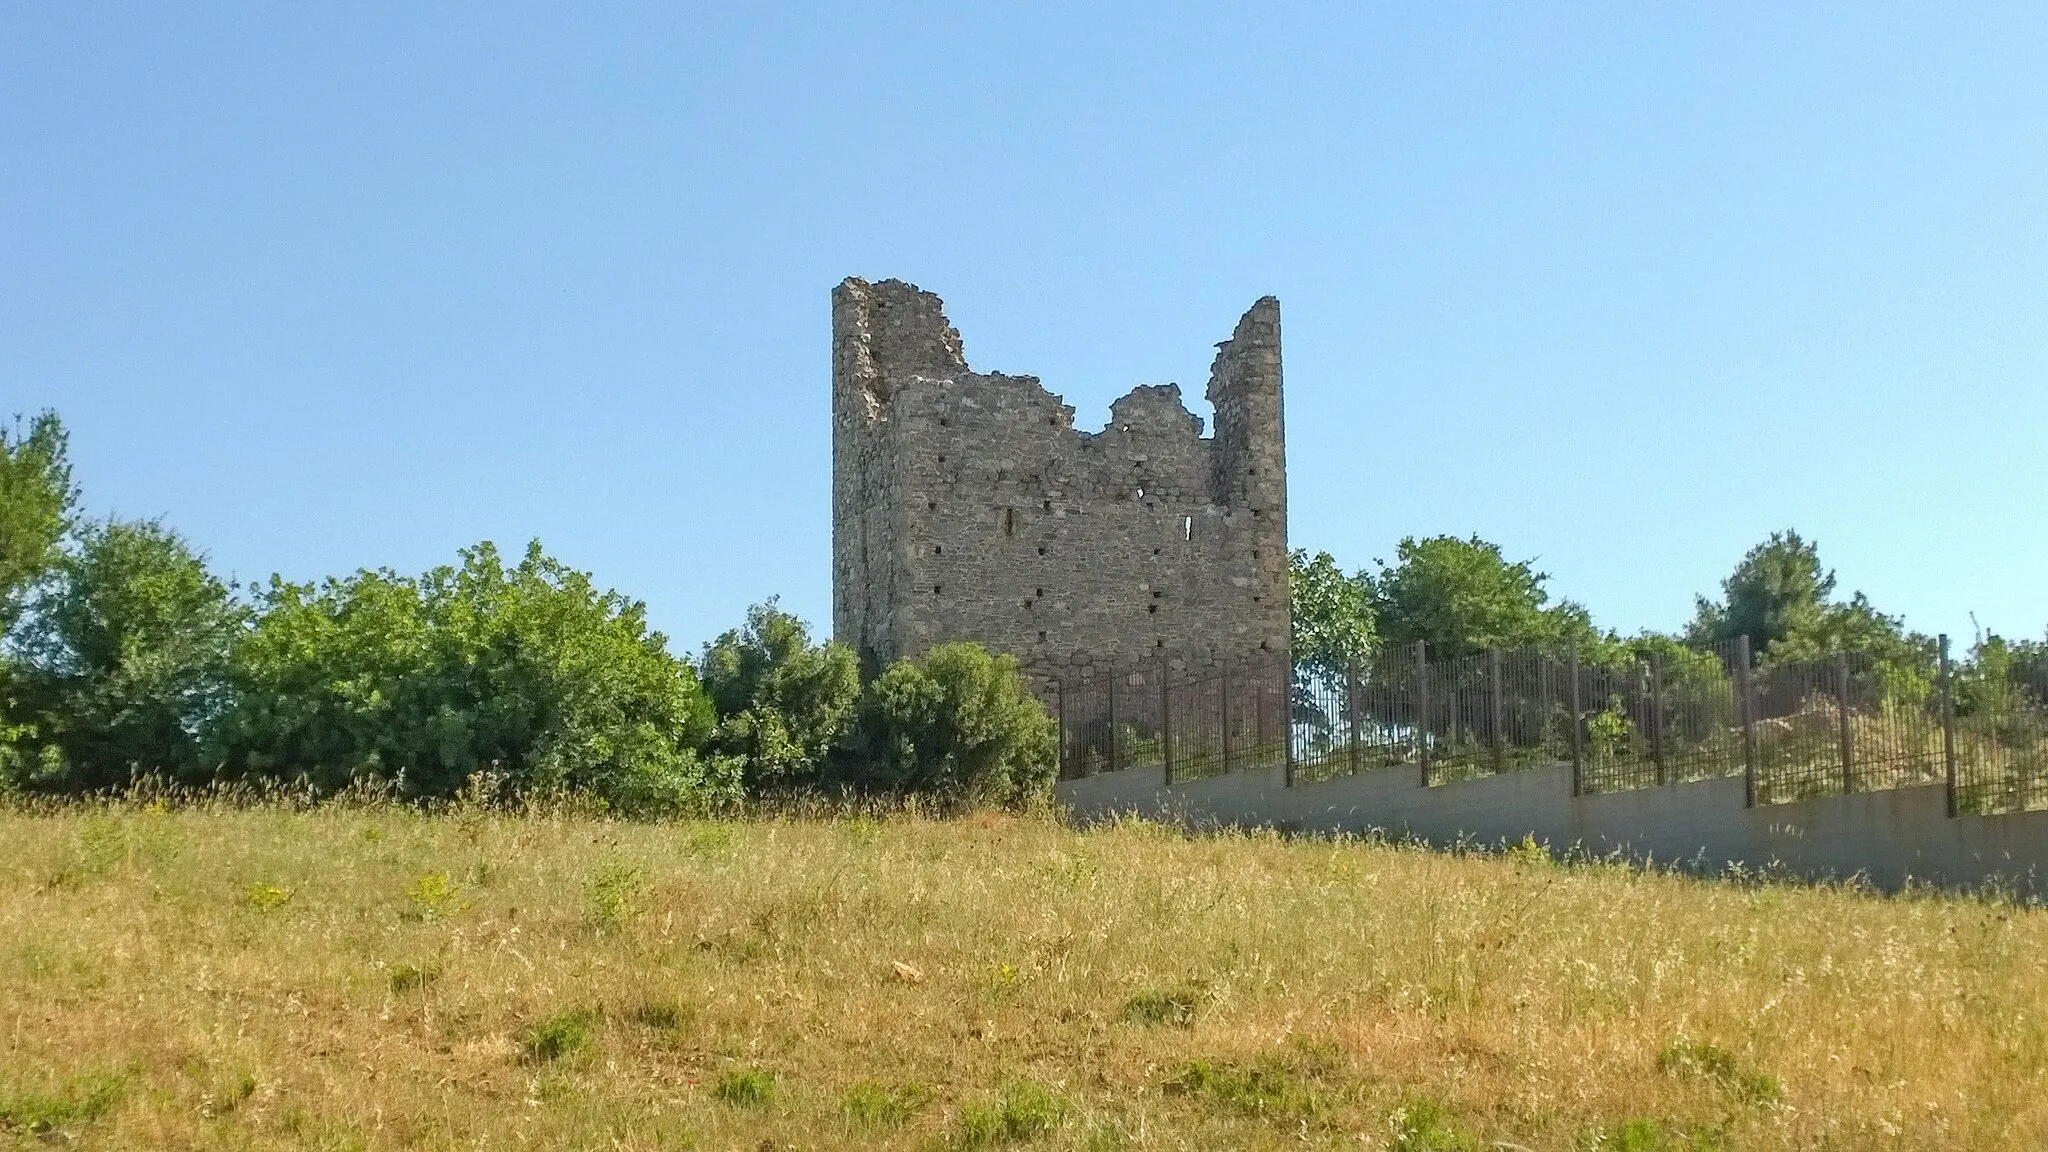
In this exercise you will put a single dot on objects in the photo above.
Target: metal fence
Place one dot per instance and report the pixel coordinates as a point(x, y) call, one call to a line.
point(1793, 730)
point(1193, 728)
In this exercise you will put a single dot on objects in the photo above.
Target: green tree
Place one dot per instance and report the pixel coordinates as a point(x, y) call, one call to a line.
point(1777, 589)
point(1463, 597)
point(2002, 677)
point(960, 724)
point(527, 671)
point(36, 501)
point(783, 702)
point(1780, 597)
point(1333, 617)
point(123, 660)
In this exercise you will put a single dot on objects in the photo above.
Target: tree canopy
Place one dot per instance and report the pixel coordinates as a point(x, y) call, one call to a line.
point(36, 502)
point(527, 672)
point(1462, 596)
point(120, 665)
point(783, 702)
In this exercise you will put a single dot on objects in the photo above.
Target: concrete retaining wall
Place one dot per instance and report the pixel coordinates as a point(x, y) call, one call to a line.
point(1886, 837)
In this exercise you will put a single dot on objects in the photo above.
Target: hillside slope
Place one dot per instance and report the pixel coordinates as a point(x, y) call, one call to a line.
point(372, 978)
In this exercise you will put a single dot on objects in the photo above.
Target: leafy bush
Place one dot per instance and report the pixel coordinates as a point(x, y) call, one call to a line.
point(122, 663)
point(616, 895)
point(960, 723)
point(528, 671)
point(783, 703)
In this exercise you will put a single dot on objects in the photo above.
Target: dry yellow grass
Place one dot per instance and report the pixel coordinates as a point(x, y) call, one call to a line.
point(372, 978)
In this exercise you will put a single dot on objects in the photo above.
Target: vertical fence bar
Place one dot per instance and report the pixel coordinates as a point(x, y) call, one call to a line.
point(1578, 737)
point(1223, 700)
point(1847, 734)
point(1743, 717)
point(1112, 716)
point(1059, 696)
point(1287, 718)
point(1165, 725)
point(1657, 720)
point(1351, 711)
point(1948, 727)
point(1498, 719)
point(1422, 708)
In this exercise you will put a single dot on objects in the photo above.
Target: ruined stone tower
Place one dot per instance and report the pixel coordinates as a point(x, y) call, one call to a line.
point(965, 505)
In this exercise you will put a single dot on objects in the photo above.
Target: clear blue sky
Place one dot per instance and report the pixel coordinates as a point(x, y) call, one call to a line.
point(1621, 287)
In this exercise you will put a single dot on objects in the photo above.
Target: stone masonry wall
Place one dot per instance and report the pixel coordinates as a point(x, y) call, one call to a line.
point(967, 506)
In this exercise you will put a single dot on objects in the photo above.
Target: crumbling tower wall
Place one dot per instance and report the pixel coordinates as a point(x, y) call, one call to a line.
point(967, 506)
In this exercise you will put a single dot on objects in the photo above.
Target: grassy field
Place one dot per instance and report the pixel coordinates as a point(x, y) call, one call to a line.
point(374, 978)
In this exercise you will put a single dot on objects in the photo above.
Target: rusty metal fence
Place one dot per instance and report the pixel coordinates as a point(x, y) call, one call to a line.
point(1792, 730)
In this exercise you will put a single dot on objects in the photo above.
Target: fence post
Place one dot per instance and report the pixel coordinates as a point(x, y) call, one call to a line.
point(1657, 719)
point(1948, 727)
point(1848, 737)
point(1165, 726)
point(1351, 709)
point(1578, 736)
point(1498, 723)
point(1059, 696)
point(1112, 715)
point(1748, 722)
point(1422, 708)
point(1287, 719)
point(1223, 698)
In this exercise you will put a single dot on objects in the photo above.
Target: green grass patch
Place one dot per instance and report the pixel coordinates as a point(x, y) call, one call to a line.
point(1292, 1083)
point(1423, 1124)
point(1705, 1061)
point(53, 1115)
point(745, 1087)
point(1174, 1007)
point(560, 1036)
point(1019, 1112)
point(872, 1104)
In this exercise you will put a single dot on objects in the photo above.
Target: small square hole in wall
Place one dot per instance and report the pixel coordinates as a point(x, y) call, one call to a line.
point(1255, 553)
point(1039, 593)
point(942, 421)
point(1151, 608)
point(1041, 550)
point(1048, 505)
point(942, 459)
point(938, 588)
point(1041, 637)
point(931, 505)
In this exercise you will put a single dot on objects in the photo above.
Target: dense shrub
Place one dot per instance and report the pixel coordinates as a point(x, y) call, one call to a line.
point(960, 724)
point(120, 663)
point(783, 703)
point(528, 672)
